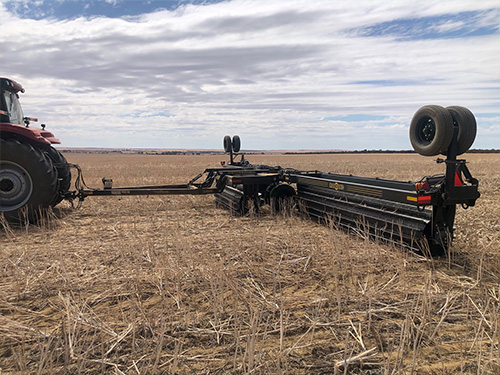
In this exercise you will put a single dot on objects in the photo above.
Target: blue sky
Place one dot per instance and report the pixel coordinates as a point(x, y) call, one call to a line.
point(292, 74)
point(69, 9)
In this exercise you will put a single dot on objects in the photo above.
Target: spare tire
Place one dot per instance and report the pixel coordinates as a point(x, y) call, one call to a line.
point(28, 181)
point(467, 127)
point(431, 130)
point(227, 144)
point(236, 143)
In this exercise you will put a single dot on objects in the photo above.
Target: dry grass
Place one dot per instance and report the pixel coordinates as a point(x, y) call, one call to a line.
point(165, 285)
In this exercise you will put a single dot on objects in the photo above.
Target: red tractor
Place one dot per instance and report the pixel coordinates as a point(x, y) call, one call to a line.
point(33, 174)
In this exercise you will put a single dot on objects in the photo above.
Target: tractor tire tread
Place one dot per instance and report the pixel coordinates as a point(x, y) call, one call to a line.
point(63, 173)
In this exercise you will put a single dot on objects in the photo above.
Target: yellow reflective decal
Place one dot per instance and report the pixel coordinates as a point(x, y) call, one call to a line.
point(336, 186)
point(364, 191)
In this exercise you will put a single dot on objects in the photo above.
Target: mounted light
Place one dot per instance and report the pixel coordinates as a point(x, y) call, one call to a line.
point(424, 199)
point(422, 186)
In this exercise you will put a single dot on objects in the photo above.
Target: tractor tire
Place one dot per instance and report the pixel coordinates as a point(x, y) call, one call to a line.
point(63, 172)
point(227, 144)
point(236, 143)
point(467, 127)
point(431, 130)
point(28, 181)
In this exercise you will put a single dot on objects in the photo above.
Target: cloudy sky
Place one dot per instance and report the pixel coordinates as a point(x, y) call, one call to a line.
point(283, 74)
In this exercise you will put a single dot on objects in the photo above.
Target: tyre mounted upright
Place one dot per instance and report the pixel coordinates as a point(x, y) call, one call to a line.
point(431, 130)
point(227, 144)
point(236, 143)
point(465, 121)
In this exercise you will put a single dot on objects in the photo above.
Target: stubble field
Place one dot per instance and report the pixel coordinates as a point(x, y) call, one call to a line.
point(172, 284)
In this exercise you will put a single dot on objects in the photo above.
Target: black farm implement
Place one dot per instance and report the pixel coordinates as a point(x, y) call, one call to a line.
point(417, 215)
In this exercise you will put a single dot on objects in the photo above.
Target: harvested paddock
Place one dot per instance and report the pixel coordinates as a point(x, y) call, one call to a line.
point(172, 284)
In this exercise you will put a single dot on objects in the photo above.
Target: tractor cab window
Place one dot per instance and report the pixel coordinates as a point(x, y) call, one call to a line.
point(13, 107)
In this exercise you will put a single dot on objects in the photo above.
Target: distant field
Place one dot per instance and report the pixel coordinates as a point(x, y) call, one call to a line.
point(172, 284)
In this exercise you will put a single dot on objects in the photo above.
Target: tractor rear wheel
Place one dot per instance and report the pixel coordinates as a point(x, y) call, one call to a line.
point(28, 181)
point(63, 172)
point(431, 130)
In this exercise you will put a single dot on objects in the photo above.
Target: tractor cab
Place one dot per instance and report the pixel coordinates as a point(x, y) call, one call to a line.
point(13, 123)
point(10, 107)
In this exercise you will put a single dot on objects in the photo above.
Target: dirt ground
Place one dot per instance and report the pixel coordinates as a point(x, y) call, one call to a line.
point(172, 284)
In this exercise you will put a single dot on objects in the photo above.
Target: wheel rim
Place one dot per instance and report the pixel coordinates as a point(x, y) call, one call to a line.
point(426, 131)
point(15, 186)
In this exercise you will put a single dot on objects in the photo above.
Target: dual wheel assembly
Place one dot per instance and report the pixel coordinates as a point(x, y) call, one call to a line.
point(432, 129)
point(233, 145)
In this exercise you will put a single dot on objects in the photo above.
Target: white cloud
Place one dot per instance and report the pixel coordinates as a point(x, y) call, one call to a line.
point(265, 69)
point(449, 26)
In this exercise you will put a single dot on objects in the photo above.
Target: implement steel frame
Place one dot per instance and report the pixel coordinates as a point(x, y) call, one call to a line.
point(388, 206)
